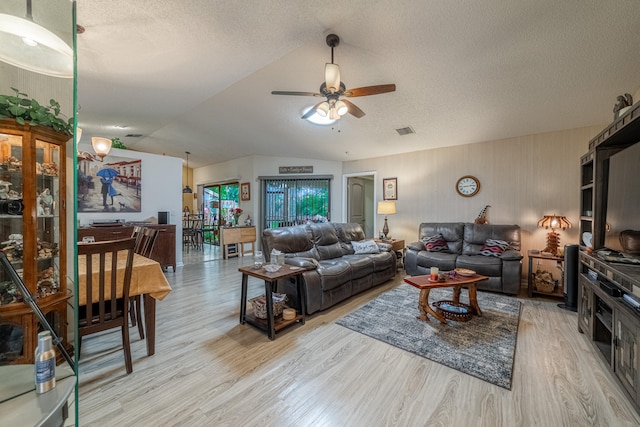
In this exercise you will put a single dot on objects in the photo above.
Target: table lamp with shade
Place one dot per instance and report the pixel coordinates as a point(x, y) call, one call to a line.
point(553, 239)
point(386, 208)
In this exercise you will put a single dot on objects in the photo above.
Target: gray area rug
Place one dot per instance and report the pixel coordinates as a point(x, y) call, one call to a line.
point(483, 347)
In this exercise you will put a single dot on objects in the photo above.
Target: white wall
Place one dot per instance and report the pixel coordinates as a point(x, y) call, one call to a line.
point(521, 178)
point(161, 191)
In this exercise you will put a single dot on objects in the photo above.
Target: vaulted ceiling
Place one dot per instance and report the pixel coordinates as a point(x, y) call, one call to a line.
point(197, 75)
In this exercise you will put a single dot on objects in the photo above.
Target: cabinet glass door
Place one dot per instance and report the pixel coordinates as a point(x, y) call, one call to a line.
point(47, 217)
point(11, 210)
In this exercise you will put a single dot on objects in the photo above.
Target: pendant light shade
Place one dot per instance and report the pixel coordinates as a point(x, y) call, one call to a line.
point(186, 188)
point(27, 45)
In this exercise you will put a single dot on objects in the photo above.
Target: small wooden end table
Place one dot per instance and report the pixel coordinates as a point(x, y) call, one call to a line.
point(271, 325)
point(559, 293)
point(457, 283)
point(397, 246)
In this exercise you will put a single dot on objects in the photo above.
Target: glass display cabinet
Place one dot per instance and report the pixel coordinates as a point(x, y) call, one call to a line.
point(32, 235)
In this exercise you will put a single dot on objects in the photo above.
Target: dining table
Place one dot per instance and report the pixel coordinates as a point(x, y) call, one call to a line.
point(147, 280)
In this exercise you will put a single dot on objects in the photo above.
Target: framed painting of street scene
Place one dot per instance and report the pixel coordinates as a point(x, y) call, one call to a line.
point(114, 185)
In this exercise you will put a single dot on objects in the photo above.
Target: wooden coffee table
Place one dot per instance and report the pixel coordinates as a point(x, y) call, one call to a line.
point(457, 283)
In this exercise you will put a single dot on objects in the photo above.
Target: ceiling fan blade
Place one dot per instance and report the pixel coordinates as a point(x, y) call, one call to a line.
point(286, 92)
point(311, 111)
point(354, 110)
point(370, 90)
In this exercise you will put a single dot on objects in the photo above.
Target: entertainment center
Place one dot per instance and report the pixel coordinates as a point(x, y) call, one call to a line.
point(609, 280)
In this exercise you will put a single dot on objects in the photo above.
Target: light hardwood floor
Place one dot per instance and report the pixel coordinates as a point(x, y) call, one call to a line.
point(209, 370)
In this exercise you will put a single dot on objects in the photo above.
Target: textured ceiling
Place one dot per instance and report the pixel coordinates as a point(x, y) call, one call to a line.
point(197, 75)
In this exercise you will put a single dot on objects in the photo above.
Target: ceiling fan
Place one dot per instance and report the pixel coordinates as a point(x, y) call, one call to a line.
point(333, 89)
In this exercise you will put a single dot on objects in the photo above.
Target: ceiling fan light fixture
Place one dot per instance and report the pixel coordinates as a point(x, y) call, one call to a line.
point(332, 77)
point(323, 109)
point(29, 46)
point(333, 114)
point(341, 108)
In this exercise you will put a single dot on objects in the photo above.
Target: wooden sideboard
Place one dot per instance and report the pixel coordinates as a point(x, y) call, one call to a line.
point(164, 251)
point(238, 236)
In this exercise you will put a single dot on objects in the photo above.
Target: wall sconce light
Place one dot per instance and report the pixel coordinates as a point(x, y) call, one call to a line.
point(553, 222)
point(101, 146)
point(386, 208)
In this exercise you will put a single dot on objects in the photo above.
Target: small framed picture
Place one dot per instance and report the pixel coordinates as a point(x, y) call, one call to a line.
point(390, 188)
point(245, 191)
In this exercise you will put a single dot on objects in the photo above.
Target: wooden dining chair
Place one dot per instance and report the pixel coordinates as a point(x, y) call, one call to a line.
point(137, 233)
point(188, 232)
point(105, 308)
point(198, 233)
point(144, 246)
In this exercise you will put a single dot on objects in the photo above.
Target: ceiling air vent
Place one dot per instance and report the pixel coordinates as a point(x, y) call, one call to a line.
point(133, 135)
point(405, 131)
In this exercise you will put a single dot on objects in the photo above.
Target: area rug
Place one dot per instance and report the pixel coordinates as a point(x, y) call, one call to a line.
point(483, 347)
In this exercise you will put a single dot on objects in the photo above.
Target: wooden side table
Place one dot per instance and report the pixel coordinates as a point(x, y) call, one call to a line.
point(559, 292)
point(397, 246)
point(271, 325)
point(238, 236)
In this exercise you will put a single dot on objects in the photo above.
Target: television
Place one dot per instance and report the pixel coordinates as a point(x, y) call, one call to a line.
point(623, 196)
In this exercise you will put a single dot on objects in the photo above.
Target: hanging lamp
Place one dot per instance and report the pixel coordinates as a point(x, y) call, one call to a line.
point(186, 188)
point(30, 46)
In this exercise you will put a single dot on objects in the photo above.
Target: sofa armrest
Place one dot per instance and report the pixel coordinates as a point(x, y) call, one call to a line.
point(306, 263)
point(416, 246)
point(511, 255)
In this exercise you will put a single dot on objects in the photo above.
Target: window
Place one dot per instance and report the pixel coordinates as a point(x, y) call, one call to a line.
point(294, 201)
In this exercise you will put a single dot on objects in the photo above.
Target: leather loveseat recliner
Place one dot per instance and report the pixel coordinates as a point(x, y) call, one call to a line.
point(465, 241)
point(333, 271)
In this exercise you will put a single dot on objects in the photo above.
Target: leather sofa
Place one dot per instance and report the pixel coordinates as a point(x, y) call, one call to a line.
point(333, 271)
point(465, 242)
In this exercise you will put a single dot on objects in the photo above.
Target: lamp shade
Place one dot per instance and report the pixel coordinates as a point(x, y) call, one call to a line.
point(101, 146)
point(27, 45)
point(554, 222)
point(386, 208)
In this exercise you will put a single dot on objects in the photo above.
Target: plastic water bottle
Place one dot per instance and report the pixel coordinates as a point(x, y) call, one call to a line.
point(45, 364)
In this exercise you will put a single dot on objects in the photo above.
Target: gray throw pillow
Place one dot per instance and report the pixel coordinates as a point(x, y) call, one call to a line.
point(435, 243)
point(493, 247)
point(365, 247)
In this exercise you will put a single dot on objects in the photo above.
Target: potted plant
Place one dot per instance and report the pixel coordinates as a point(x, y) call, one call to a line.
point(23, 110)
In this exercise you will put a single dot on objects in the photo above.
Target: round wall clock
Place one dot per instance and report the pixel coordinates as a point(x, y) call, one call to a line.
point(468, 186)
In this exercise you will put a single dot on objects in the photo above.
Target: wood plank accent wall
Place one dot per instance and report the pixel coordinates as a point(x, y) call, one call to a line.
point(521, 178)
